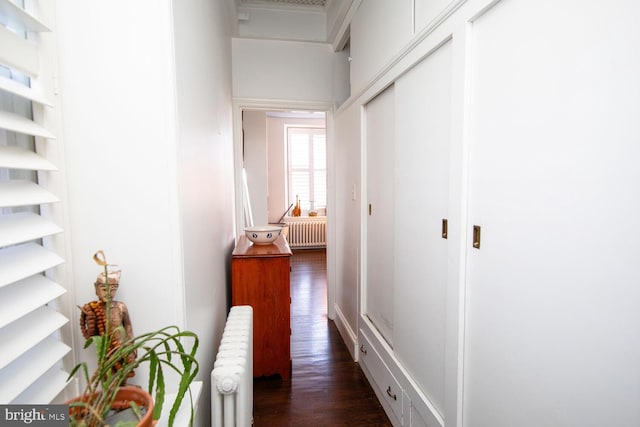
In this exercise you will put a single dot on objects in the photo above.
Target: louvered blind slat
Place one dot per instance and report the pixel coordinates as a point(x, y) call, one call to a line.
point(16, 123)
point(23, 227)
point(18, 53)
point(24, 193)
point(20, 262)
point(15, 17)
point(24, 334)
point(26, 296)
point(24, 91)
point(13, 157)
point(25, 371)
point(45, 389)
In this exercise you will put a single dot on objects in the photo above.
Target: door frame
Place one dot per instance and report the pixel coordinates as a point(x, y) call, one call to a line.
point(241, 104)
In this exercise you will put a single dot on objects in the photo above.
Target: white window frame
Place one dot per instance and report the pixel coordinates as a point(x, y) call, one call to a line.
point(310, 131)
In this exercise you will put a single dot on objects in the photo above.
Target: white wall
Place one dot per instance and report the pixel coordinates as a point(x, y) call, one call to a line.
point(118, 101)
point(379, 30)
point(341, 82)
point(276, 174)
point(256, 163)
point(346, 211)
point(146, 128)
point(426, 12)
point(204, 147)
point(294, 71)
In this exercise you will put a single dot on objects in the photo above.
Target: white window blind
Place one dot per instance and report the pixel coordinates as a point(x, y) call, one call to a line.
point(31, 368)
point(307, 167)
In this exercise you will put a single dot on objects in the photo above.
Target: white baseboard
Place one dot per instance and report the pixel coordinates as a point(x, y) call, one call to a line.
point(348, 335)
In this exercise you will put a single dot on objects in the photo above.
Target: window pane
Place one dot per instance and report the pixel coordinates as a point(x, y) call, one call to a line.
point(319, 152)
point(299, 152)
point(300, 185)
point(307, 164)
point(320, 190)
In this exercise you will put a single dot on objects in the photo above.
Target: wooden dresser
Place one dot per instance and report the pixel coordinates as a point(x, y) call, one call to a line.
point(260, 278)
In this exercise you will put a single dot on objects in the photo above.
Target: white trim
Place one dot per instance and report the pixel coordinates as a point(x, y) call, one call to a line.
point(339, 38)
point(331, 218)
point(348, 335)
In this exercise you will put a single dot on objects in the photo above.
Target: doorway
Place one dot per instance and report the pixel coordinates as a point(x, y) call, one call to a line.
point(264, 178)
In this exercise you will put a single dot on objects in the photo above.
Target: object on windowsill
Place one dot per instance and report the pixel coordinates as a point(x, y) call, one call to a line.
point(313, 213)
point(296, 210)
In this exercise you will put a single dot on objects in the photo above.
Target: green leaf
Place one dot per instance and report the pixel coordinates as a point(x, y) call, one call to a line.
point(153, 369)
point(159, 396)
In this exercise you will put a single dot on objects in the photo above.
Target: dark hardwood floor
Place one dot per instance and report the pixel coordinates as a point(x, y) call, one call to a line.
point(327, 388)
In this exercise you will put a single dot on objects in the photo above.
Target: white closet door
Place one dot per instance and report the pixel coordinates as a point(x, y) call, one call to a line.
point(552, 320)
point(379, 137)
point(423, 127)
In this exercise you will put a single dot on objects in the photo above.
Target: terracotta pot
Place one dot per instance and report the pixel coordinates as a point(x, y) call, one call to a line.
point(125, 395)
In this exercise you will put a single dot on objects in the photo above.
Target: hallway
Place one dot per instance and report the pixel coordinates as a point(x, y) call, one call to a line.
point(327, 387)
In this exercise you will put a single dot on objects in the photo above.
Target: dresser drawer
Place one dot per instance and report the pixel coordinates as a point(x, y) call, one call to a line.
point(388, 388)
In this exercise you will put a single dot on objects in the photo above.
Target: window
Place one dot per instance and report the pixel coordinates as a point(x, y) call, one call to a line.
point(307, 167)
point(31, 322)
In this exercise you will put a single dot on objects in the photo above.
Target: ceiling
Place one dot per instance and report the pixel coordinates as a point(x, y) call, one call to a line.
point(298, 20)
point(316, 3)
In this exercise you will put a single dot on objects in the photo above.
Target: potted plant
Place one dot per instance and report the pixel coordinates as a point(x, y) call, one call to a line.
point(118, 355)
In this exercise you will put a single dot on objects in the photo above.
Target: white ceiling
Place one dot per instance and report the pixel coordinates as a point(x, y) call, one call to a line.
point(314, 3)
point(296, 20)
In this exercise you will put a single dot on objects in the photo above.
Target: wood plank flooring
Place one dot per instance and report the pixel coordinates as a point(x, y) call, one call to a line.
point(327, 387)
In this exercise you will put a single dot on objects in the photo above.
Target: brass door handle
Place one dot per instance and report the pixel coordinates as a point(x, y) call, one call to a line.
point(476, 236)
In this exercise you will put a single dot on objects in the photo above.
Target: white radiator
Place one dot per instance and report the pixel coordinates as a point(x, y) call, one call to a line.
point(232, 375)
point(306, 232)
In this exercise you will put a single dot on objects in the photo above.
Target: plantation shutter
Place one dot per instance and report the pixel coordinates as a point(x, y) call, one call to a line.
point(299, 155)
point(319, 183)
point(31, 353)
point(307, 166)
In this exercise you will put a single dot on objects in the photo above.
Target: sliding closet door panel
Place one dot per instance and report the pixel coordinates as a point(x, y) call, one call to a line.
point(379, 137)
point(423, 124)
point(552, 320)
